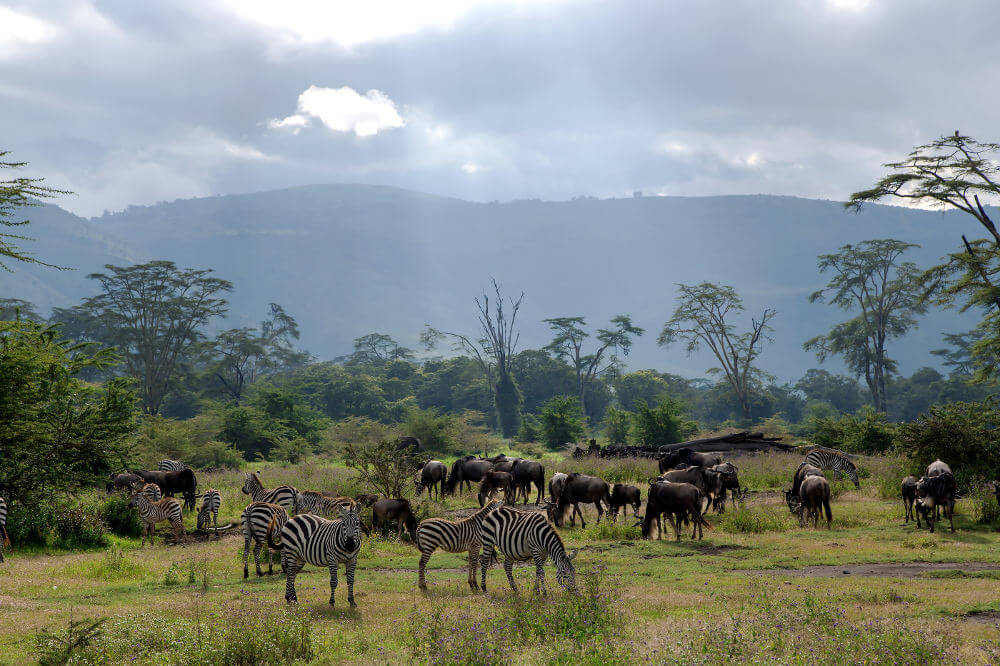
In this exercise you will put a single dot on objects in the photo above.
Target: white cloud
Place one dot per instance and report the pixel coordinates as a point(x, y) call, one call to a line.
point(344, 110)
point(19, 31)
point(207, 148)
point(470, 168)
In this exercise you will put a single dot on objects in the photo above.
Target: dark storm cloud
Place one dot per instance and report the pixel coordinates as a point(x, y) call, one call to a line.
point(129, 102)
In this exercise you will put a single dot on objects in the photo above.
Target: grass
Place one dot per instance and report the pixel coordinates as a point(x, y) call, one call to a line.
point(659, 601)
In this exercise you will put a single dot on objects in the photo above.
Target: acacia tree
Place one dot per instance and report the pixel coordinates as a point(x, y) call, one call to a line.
point(704, 317)
point(956, 171)
point(568, 346)
point(870, 278)
point(494, 351)
point(153, 313)
point(17, 193)
point(378, 348)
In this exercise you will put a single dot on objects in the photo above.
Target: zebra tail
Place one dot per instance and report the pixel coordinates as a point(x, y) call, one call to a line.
point(270, 532)
point(4, 539)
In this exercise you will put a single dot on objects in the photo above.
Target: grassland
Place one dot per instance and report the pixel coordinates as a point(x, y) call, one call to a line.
point(753, 590)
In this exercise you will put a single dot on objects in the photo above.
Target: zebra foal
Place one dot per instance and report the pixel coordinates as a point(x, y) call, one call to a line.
point(167, 509)
point(452, 536)
point(150, 490)
point(521, 536)
point(171, 466)
point(835, 460)
point(256, 520)
point(308, 539)
point(4, 539)
point(210, 503)
point(286, 496)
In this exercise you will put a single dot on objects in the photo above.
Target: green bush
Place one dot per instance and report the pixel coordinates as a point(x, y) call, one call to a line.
point(292, 450)
point(120, 517)
point(662, 424)
point(79, 527)
point(434, 430)
point(616, 425)
point(866, 432)
point(531, 429)
point(30, 526)
point(983, 504)
point(562, 421)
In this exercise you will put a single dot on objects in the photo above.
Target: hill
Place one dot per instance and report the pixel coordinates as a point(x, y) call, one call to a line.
point(350, 259)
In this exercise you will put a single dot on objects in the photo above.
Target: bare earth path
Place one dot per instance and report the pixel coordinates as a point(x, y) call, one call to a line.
point(883, 570)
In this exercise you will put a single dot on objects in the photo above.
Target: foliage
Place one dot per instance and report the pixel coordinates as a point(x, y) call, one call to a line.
point(15, 194)
point(79, 527)
point(434, 430)
point(59, 433)
point(382, 468)
point(539, 377)
point(378, 348)
point(843, 393)
point(703, 317)
point(12, 309)
point(191, 440)
point(54, 649)
point(30, 525)
point(866, 432)
point(868, 277)
point(662, 424)
point(755, 520)
point(290, 450)
point(966, 435)
point(272, 417)
point(637, 471)
point(531, 429)
point(616, 425)
point(984, 506)
point(562, 421)
point(120, 517)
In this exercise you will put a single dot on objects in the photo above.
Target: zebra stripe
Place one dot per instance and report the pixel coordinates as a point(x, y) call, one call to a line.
point(257, 518)
point(152, 491)
point(4, 540)
point(521, 536)
point(309, 539)
point(452, 536)
point(286, 496)
point(321, 504)
point(210, 503)
point(167, 509)
point(835, 460)
point(171, 466)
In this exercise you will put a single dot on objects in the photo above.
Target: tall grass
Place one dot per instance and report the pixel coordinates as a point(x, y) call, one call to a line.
point(637, 471)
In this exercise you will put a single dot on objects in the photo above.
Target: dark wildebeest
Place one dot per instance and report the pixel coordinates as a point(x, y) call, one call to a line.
point(707, 481)
point(409, 445)
point(467, 470)
point(909, 496)
point(730, 482)
point(525, 473)
point(623, 495)
point(593, 449)
point(123, 481)
point(814, 497)
point(804, 470)
point(183, 482)
point(432, 476)
point(399, 510)
point(494, 481)
point(679, 502)
point(933, 492)
point(687, 457)
point(556, 485)
point(580, 488)
point(937, 468)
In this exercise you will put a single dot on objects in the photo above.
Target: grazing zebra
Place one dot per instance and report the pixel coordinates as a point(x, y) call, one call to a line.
point(521, 536)
point(4, 540)
point(308, 539)
point(151, 490)
point(171, 466)
point(210, 503)
point(150, 513)
point(321, 504)
point(257, 518)
point(286, 496)
point(452, 536)
point(825, 458)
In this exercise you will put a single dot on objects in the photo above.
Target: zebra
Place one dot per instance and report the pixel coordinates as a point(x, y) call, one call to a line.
point(151, 513)
point(838, 461)
point(308, 539)
point(171, 466)
point(210, 503)
point(321, 504)
point(151, 490)
point(452, 537)
point(4, 540)
point(257, 518)
point(286, 496)
point(521, 536)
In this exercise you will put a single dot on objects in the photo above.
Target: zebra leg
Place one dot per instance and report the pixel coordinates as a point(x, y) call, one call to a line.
point(246, 558)
point(485, 559)
point(292, 569)
point(333, 580)
point(256, 560)
point(424, 558)
point(350, 566)
point(508, 567)
point(540, 573)
point(473, 565)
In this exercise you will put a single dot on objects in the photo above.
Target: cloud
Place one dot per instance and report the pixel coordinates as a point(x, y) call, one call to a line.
point(21, 30)
point(344, 110)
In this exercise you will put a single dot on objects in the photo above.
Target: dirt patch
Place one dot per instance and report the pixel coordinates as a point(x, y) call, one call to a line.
point(883, 570)
point(984, 617)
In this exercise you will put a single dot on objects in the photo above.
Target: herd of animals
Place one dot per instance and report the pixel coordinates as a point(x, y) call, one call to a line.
point(324, 529)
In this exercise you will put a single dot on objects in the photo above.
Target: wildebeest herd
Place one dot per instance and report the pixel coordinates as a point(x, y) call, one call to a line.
point(322, 528)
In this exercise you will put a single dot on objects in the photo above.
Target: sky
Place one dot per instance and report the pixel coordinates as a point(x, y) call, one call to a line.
point(128, 102)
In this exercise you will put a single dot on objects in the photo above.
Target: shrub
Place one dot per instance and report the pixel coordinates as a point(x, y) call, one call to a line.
point(291, 450)
point(120, 517)
point(116, 565)
point(53, 649)
point(382, 468)
point(662, 424)
point(562, 421)
point(616, 425)
point(30, 526)
point(531, 429)
point(983, 504)
point(434, 430)
point(359, 430)
point(79, 527)
point(866, 432)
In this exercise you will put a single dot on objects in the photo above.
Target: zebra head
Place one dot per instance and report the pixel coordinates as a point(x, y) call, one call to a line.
point(565, 573)
point(138, 498)
point(249, 483)
point(350, 528)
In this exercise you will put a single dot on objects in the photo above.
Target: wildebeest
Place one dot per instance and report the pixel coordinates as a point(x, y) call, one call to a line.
point(525, 473)
point(123, 481)
point(399, 510)
point(579, 488)
point(409, 445)
point(936, 491)
point(467, 470)
point(707, 481)
point(432, 475)
point(183, 482)
point(814, 495)
point(730, 481)
point(937, 468)
point(493, 481)
point(556, 485)
point(804, 470)
point(679, 502)
point(623, 495)
point(688, 457)
point(909, 496)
